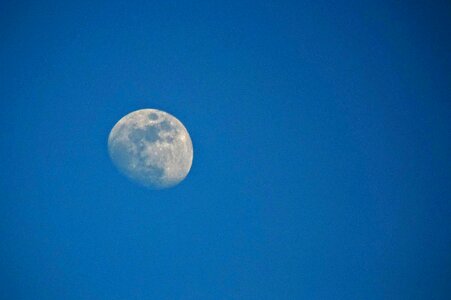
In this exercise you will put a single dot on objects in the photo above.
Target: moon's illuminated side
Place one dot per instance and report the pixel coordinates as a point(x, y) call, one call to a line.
point(151, 147)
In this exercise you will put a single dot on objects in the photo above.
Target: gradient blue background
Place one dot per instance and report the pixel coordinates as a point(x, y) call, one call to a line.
point(322, 142)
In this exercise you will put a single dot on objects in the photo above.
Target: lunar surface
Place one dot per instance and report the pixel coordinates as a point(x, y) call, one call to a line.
point(152, 148)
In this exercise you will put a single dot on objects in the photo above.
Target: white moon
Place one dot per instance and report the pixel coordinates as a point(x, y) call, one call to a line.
point(152, 148)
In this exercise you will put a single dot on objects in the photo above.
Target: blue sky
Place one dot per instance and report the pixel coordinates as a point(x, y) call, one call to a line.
point(321, 134)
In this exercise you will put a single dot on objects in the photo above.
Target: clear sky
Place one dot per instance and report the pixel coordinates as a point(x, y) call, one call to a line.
point(322, 141)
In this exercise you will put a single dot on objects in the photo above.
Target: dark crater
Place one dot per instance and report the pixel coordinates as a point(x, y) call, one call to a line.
point(153, 116)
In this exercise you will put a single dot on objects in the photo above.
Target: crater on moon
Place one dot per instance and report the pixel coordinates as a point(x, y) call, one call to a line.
point(152, 148)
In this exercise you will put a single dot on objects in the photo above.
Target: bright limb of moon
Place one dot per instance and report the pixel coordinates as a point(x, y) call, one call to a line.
point(152, 148)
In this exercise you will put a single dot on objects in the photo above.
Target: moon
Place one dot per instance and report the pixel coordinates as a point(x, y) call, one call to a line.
point(152, 148)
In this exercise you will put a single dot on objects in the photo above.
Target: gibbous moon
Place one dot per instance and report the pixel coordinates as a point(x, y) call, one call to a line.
point(152, 148)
